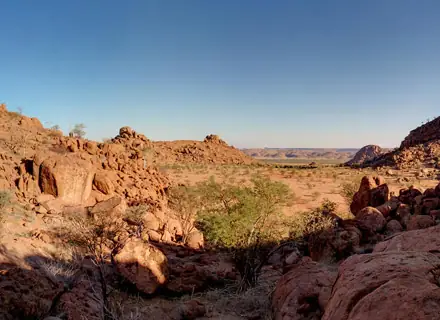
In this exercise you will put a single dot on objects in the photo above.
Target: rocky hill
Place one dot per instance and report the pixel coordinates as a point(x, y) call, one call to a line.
point(421, 148)
point(427, 132)
point(367, 153)
point(212, 150)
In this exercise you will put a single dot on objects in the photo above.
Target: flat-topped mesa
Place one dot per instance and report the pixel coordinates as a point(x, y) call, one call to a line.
point(213, 138)
point(366, 154)
point(430, 131)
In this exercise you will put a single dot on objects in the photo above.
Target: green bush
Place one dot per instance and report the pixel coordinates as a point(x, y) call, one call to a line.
point(348, 189)
point(243, 219)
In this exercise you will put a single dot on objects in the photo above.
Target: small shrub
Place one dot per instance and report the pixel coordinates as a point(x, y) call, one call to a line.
point(348, 189)
point(136, 214)
point(308, 223)
point(329, 206)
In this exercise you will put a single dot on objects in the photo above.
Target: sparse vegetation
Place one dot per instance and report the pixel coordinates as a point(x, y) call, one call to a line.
point(185, 201)
point(5, 200)
point(136, 214)
point(305, 224)
point(55, 127)
point(243, 219)
point(348, 189)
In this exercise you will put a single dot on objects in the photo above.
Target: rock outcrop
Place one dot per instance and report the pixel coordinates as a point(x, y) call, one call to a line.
point(303, 292)
point(67, 178)
point(373, 192)
point(366, 154)
point(427, 132)
point(371, 286)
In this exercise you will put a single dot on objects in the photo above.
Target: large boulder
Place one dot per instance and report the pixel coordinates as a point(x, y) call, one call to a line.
point(143, 265)
point(303, 292)
point(373, 191)
point(195, 240)
point(389, 286)
point(66, 177)
point(416, 240)
point(103, 183)
point(371, 220)
point(115, 206)
point(420, 222)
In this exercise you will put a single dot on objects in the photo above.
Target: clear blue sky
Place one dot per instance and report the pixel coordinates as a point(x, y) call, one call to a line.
point(258, 73)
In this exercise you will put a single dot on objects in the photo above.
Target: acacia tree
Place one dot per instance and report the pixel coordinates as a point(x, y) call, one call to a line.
point(78, 130)
point(247, 220)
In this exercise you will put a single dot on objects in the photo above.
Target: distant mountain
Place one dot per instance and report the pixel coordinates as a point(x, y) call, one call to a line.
point(343, 154)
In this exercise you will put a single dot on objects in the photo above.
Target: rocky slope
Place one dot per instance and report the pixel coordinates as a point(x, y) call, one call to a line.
point(212, 150)
point(401, 266)
point(421, 148)
point(69, 194)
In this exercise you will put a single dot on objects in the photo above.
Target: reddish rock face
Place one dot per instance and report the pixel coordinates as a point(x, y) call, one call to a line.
point(67, 178)
point(425, 133)
point(372, 192)
point(370, 286)
point(420, 222)
point(303, 292)
point(417, 240)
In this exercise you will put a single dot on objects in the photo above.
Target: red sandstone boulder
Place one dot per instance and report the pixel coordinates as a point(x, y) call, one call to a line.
point(103, 183)
point(370, 220)
point(303, 292)
point(370, 286)
point(393, 226)
point(416, 240)
point(372, 192)
point(420, 222)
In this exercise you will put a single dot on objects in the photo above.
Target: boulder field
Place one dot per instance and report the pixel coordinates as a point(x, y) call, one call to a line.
point(383, 264)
